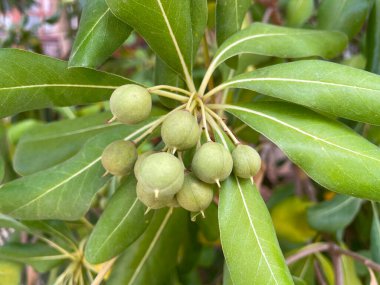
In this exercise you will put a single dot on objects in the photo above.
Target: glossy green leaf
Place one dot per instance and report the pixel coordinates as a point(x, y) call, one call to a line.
point(248, 238)
point(328, 151)
point(122, 222)
point(31, 81)
point(100, 34)
point(38, 255)
point(199, 16)
point(328, 87)
point(152, 258)
point(39, 145)
point(164, 75)
point(229, 18)
point(298, 12)
point(226, 276)
point(347, 16)
point(10, 273)
point(373, 39)
point(375, 235)
point(334, 215)
point(164, 24)
point(270, 40)
point(65, 191)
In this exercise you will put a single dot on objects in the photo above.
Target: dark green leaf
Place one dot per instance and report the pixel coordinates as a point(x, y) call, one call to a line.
point(199, 14)
point(329, 87)
point(347, 16)
point(164, 24)
point(334, 215)
point(100, 34)
point(122, 222)
point(40, 256)
point(329, 152)
point(248, 238)
point(38, 149)
point(229, 18)
point(373, 39)
point(152, 258)
point(209, 226)
point(375, 235)
point(270, 40)
point(31, 81)
point(65, 191)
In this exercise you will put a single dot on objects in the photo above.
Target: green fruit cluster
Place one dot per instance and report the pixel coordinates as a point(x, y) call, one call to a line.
point(162, 180)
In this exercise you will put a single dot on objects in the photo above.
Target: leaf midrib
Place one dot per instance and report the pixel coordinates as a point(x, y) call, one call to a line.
point(300, 131)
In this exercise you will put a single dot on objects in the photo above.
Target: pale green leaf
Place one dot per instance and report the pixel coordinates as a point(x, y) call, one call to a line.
point(100, 34)
point(328, 151)
point(38, 255)
point(329, 87)
point(153, 257)
point(248, 238)
point(347, 16)
point(31, 81)
point(298, 12)
point(39, 145)
point(164, 24)
point(65, 191)
point(334, 215)
point(121, 223)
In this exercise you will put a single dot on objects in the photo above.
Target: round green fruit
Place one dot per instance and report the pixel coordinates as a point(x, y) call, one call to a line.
point(195, 195)
point(180, 130)
point(212, 163)
point(247, 161)
point(131, 104)
point(139, 161)
point(149, 200)
point(119, 157)
point(162, 174)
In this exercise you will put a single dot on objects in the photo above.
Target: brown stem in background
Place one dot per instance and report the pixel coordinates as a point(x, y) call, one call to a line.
point(319, 273)
point(275, 14)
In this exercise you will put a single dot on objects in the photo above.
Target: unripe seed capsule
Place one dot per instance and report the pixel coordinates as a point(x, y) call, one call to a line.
point(162, 174)
point(149, 200)
point(247, 161)
point(131, 104)
point(212, 163)
point(180, 130)
point(119, 157)
point(139, 161)
point(195, 195)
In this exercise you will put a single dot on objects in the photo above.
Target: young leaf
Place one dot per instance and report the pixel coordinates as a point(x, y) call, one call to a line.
point(334, 215)
point(165, 25)
point(122, 222)
point(152, 258)
point(373, 39)
point(100, 34)
point(70, 135)
point(298, 12)
point(347, 16)
point(40, 256)
point(248, 238)
point(10, 273)
point(229, 18)
point(328, 87)
point(199, 14)
point(65, 191)
point(32, 81)
point(375, 234)
point(270, 40)
point(328, 151)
